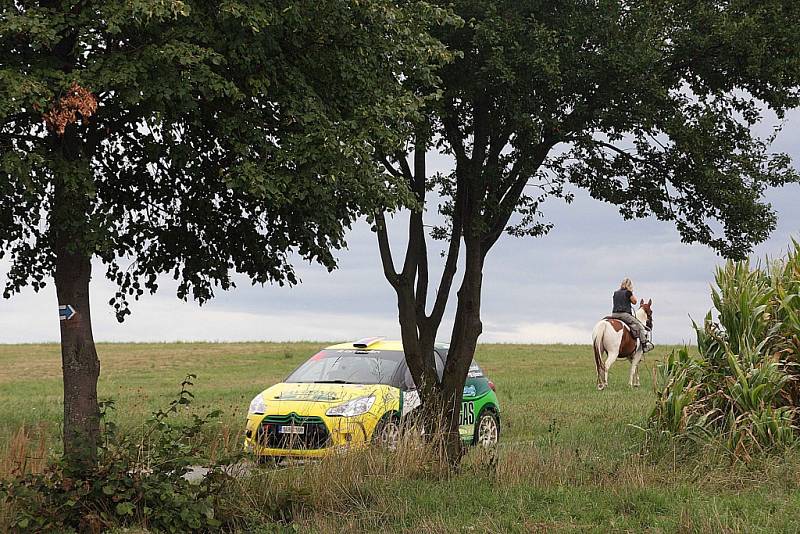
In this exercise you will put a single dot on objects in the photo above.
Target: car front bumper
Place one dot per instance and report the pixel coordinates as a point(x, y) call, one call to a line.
point(263, 435)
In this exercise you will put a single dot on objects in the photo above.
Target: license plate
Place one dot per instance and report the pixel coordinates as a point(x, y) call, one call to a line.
point(292, 429)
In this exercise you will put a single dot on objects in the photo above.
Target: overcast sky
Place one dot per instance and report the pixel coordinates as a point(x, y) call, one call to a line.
point(546, 290)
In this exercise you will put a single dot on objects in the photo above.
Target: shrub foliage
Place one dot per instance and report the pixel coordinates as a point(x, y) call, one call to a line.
point(137, 480)
point(742, 390)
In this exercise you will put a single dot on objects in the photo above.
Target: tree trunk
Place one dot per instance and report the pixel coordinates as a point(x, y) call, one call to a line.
point(467, 327)
point(417, 343)
point(73, 270)
point(80, 365)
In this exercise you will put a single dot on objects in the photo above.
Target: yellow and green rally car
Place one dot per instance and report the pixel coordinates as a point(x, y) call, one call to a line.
point(353, 394)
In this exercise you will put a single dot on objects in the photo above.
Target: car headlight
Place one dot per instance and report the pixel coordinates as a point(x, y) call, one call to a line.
point(352, 408)
point(257, 405)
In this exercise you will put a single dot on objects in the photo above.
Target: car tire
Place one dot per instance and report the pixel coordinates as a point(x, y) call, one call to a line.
point(387, 432)
point(487, 429)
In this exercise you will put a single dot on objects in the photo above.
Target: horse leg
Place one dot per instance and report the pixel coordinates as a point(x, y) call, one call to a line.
point(612, 357)
point(600, 384)
point(634, 378)
point(599, 350)
point(598, 358)
point(636, 382)
point(631, 374)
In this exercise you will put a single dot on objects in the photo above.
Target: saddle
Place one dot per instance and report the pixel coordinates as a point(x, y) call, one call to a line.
point(624, 324)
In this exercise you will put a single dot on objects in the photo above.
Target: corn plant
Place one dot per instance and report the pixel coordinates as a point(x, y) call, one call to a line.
point(742, 390)
point(679, 373)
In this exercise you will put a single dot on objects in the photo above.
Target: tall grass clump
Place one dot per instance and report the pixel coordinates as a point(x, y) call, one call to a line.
point(353, 488)
point(741, 391)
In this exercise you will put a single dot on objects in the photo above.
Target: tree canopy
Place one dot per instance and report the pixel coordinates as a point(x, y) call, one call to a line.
point(648, 105)
point(248, 119)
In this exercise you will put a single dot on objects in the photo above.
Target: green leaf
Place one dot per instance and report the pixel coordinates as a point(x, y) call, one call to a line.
point(124, 508)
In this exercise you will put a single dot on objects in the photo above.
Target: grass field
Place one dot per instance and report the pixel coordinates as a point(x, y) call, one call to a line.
point(571, 458)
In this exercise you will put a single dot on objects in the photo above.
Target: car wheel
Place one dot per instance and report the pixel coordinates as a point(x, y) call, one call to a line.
point(387, 433)
point(487, 429)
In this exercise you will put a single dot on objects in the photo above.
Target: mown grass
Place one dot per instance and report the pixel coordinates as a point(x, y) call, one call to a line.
point(571, 460)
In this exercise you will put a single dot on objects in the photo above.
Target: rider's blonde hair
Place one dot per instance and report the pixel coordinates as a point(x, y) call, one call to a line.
point(627, 284)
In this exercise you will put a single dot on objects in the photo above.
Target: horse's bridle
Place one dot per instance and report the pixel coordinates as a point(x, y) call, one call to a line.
point(648, 325)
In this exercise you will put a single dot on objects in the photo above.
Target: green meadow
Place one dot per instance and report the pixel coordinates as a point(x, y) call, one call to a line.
point(572, 458)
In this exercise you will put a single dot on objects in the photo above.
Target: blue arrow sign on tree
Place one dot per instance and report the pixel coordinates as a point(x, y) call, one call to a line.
point(66, 312)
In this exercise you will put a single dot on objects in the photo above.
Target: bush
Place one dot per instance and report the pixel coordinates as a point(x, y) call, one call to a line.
point(134, 482)
point(742, 390)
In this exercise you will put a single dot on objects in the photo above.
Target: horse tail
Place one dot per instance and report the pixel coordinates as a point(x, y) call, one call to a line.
point(597, 338)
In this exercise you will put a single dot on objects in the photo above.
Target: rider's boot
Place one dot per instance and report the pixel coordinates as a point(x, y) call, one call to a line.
point(647, 346)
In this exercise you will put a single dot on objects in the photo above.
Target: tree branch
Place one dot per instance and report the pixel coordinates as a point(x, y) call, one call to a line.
point(480, 134)
point(405, 169)
point(422, 275)
point(619, 151)
point(420, 150)
point(389, 167)
point(497, 144)
point(385, 250)
point(511, 197)
point(451, 262)
point(453, 135)
point(416, 232)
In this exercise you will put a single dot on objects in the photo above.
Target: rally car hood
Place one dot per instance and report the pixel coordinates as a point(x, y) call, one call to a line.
point(315, 399)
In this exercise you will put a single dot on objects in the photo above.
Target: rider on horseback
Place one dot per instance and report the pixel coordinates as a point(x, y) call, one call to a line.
point(623, 298)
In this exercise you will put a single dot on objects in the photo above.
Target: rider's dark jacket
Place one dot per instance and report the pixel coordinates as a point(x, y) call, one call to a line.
point(622, 301)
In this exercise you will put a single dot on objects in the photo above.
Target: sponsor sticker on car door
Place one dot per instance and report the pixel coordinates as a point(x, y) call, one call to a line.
point(467, 417)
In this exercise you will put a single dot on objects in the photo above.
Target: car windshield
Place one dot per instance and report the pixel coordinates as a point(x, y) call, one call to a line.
point(349, 367)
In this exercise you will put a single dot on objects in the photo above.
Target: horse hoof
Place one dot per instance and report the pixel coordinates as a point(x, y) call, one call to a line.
point(601, 387)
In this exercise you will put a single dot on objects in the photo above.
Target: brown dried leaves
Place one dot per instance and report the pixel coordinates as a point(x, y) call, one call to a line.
point(65, 111)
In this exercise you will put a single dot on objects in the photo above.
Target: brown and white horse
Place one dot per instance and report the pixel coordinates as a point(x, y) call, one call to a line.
point(613, 337)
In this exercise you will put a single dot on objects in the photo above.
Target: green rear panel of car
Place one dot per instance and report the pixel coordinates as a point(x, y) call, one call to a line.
point(477, 397)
